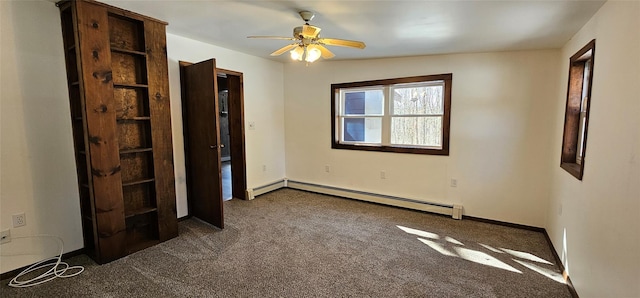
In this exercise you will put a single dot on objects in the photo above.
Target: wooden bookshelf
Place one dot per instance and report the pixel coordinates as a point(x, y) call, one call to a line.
point(122, 137)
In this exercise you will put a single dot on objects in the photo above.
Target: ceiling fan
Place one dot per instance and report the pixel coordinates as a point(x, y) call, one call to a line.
point(307, 44)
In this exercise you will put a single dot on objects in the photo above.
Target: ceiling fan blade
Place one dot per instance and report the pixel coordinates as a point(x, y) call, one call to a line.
point(309, 31)
point(326, 54)
point(284, 49)
point(272, 37)
point(342, 43)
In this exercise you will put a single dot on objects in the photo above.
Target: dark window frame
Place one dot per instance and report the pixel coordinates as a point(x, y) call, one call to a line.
point(570, 159)
point(446, 118)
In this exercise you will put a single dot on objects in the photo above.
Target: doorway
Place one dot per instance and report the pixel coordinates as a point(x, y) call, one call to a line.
point(225, 152)
point(213, 122)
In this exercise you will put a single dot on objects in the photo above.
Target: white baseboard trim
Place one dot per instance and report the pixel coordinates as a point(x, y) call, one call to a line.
point(455, 211)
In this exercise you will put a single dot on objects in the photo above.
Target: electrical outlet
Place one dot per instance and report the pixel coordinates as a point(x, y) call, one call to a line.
point(264, 168)
point(327, 168)
point(383, 175)
point(454, 182)
point(5, 236)
point(19, 220)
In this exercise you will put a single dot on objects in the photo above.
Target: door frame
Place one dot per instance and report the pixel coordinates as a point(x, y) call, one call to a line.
point(236, 135)
point(235, 106)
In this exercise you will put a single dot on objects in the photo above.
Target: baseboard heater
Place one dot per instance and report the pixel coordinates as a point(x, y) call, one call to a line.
point(454, 211)
point(252, 193)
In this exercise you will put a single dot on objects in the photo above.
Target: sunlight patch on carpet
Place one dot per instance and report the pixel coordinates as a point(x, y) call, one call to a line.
point(526, 256)
point(419, 233)
point(439, 247)
point(544, 271)
point(491, 248)
point(483, 258)
point(454, 241)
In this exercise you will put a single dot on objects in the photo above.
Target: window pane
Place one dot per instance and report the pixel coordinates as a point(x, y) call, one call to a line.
point(585, 86)
point(580, 151)
point(418, 131)
point(367, 130)
point(426, 100)
point(363, 102)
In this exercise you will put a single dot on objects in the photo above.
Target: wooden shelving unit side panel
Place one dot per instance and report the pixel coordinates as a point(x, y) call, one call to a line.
point(101, 130)
point(76, 104)
point(160, 112)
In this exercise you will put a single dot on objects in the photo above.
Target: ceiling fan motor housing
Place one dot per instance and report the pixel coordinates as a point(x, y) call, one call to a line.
point(306, 16)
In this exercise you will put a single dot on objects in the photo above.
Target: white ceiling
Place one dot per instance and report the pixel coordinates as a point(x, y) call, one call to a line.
point(389, 28)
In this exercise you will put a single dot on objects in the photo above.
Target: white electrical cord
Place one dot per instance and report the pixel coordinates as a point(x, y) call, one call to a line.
point(58, 268)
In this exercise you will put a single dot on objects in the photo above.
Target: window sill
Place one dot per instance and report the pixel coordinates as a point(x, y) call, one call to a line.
point(411, 150)
point(573, 168)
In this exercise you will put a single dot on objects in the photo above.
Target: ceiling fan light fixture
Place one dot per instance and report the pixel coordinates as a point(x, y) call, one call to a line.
point(297, 53)
point(307, 45)
point(313, 53)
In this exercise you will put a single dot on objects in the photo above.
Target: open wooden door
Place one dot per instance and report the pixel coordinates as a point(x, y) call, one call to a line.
point(200, 103)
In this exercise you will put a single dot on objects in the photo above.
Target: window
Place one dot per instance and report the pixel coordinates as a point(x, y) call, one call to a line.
point(406, 115)
point(576, 117)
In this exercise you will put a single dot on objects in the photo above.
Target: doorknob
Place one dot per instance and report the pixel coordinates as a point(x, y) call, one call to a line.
point(213, 146)
point(221, 145)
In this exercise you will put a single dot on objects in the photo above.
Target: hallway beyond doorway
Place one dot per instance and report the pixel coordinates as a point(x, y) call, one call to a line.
point(226, 181)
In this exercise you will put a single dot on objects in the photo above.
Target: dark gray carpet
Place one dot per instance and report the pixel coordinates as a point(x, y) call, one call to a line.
point(290, 243)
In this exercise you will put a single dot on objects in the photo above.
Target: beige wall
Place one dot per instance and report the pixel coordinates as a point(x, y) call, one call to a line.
point(594, 223)
point(37, 166)
point(500, 133)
